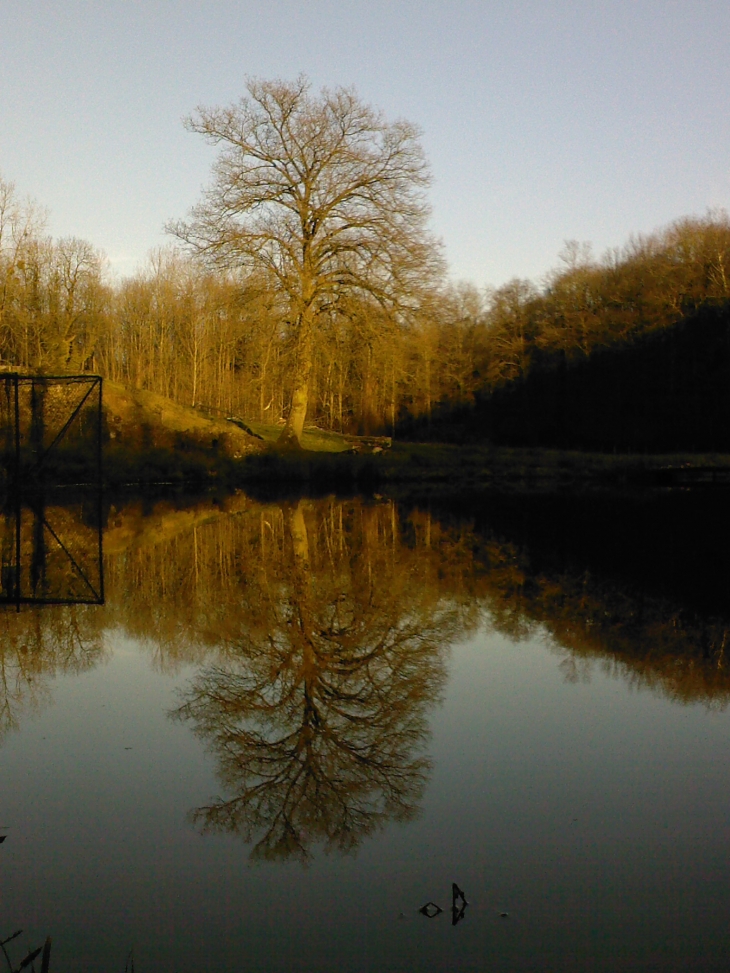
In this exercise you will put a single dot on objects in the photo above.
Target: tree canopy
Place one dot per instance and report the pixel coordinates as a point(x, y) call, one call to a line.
point(325, 197)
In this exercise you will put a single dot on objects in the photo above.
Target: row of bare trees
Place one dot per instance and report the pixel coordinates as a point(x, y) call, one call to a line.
point(585, 304)
point(54, 302)
point(223, 339)
point(218, 340)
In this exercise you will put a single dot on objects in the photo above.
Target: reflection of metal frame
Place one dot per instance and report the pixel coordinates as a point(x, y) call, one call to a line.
point(29, 442)
point(26, 584)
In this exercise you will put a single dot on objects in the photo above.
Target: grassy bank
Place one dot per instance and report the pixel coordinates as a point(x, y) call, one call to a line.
point(148, 441)
point(404, 469)
point(435, 469)
point(330, 463)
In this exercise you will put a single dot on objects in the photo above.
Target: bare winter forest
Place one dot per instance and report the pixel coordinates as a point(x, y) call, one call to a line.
point(300, 282)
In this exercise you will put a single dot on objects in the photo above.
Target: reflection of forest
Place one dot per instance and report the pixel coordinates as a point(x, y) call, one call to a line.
point(648, 641)
point(187, 580)
point(637, 584)
point(319, 629)
point(37, 644)
point(194, 582)
point(57, 548)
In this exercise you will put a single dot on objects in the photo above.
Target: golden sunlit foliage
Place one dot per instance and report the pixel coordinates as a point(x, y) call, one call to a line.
point(54, 302)
point(221, 339)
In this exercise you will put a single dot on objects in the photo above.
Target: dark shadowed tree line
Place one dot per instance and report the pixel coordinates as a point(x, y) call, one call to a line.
point(668, 390)
point(630, 352)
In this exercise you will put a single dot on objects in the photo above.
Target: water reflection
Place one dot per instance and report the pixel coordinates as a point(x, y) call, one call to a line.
point(320, 631)
point(318, 718)
point(311, 642)
point(36, 646)
point(651, 641)
point(50, 554)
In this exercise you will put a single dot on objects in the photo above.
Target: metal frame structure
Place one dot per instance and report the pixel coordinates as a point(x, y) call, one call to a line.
point(30, 480)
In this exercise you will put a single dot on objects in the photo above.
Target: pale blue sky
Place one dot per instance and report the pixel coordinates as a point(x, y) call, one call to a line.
point(543, 120)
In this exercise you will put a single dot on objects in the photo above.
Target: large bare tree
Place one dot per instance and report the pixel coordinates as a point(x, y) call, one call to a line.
point(324, 195)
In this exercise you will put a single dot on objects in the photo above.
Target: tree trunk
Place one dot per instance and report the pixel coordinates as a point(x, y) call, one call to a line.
point(291, 434)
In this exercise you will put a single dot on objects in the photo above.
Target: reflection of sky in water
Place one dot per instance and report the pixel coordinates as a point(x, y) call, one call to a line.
point(596, 815)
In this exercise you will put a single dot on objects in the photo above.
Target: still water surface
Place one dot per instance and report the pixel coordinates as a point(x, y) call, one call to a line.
point(293, 724)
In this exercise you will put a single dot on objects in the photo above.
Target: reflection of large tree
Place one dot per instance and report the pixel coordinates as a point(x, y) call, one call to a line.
point(318, 717)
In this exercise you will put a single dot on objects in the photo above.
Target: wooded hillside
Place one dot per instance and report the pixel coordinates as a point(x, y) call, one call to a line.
point(666, 391)
point(223, 340)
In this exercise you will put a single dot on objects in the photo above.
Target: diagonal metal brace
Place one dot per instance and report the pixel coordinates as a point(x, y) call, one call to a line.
point(71, 558)
point(66, 426)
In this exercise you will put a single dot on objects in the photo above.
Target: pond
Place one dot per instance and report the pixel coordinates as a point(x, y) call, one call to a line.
point(295, 723)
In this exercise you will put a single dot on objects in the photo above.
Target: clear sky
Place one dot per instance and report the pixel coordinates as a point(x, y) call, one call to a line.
point(544, 120)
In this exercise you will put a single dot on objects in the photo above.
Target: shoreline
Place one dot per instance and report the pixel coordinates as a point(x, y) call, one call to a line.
point(405, 469)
